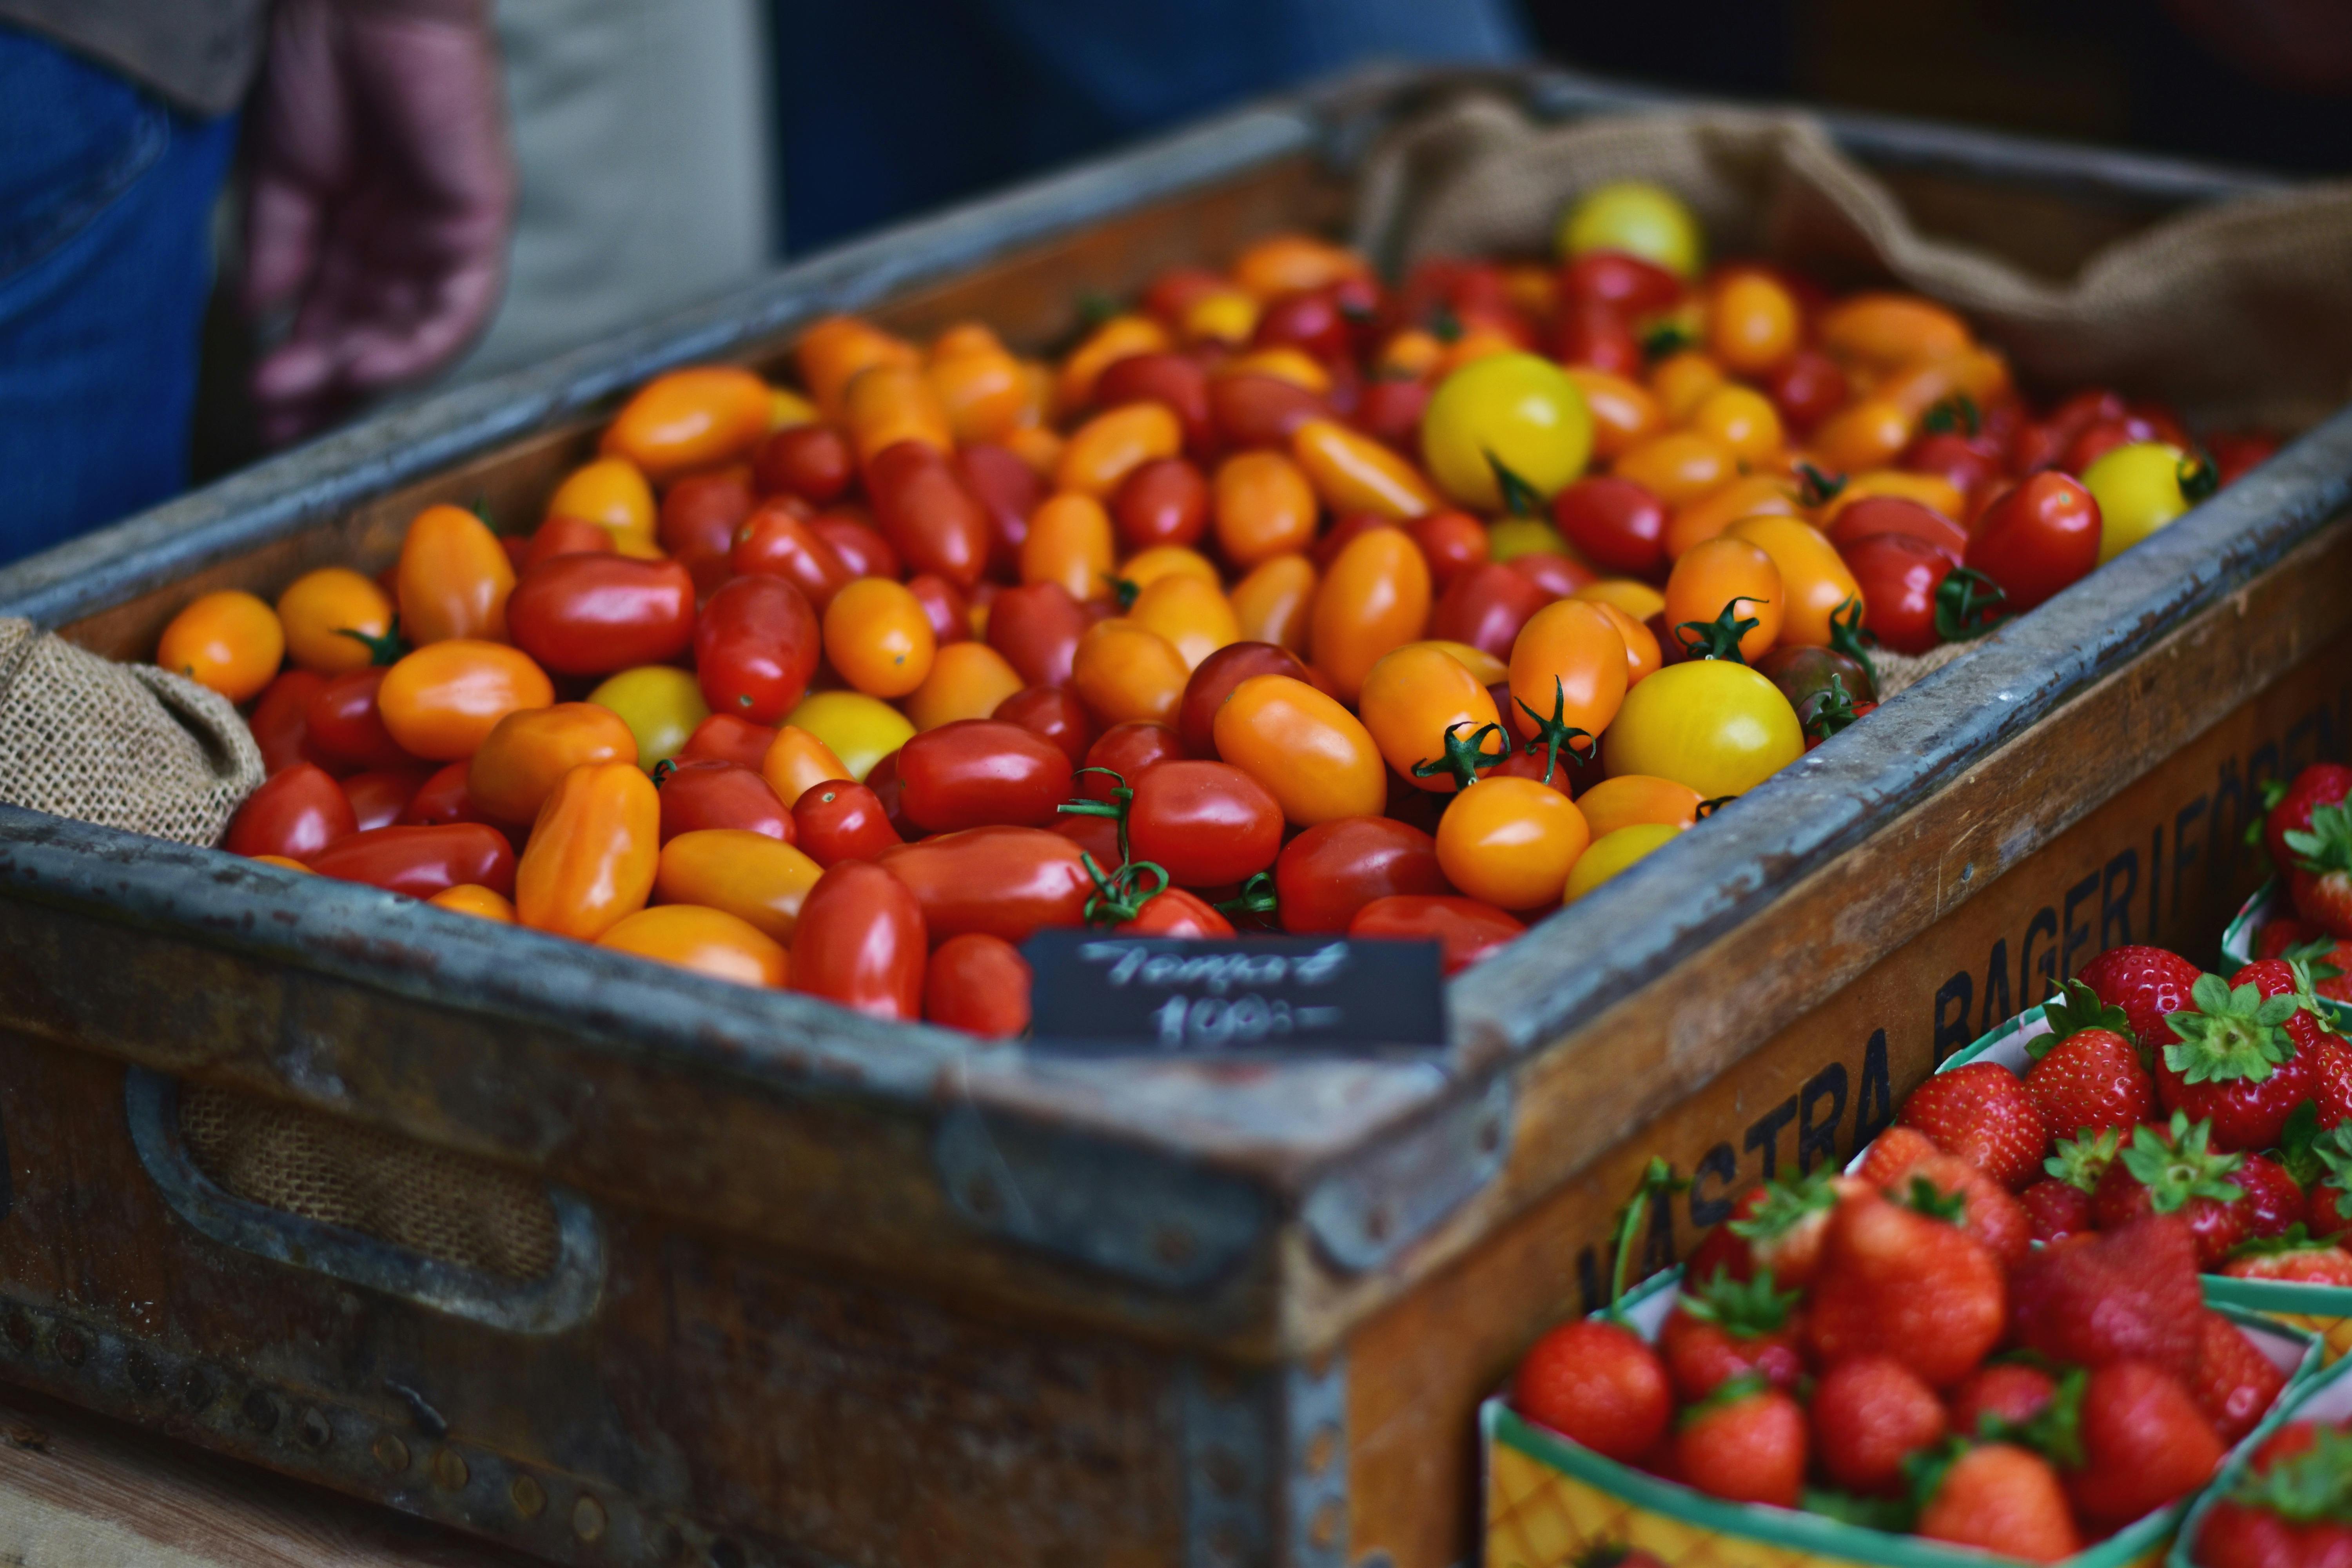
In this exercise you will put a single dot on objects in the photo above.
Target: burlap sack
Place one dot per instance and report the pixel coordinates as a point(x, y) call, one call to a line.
point(2237, 312)
point(123, 745)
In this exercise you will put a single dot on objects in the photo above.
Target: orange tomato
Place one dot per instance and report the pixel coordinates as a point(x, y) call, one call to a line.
point(1296, 366)
point(833, 351)
point(592, 853)
point(1263, 506)
point(1814, 578)
point(1742, 418)
point(1070, 543)
point(318, 609)
point(1419, 698)
point(878, 637)
point(1731, 573)
point(1273, 603)
point(473, 898)
point(1221, 316)
point(1750, 495)
point(1147, 567)
point(1107, 447)
point(1678, 466)
point(1642, 656)
point(442, 701)
point(1414, 354)
point(1680, 381)
point(1192, 614)
point(1313, 756)
point(1511, 841)
point(886, 403)
point(1752, 323)
point(1881, 332)
point(1374, 598)
point(978, 382)
point(1037, 446)
point(1933, 492)
point(1125, 670)
point(1635, 597)
point(228, 641)
point(1867, 434)
point(530, 749)
point(797, 762)
point(1630, 799)
point(695, 419)
point(1352, 472)
point(762, 884)
point(1114, 339)
point(968, 680)
point(287, 863)
point(453, 578)
point(1568, 672)
point(1623, 412)
point(1292, 263)
point(609, 492)
point(709, 941)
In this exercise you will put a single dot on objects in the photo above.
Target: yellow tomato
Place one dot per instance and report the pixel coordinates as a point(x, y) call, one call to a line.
point(1511, 841)
point(797, 762)
point(1638, 218)
point(709, 941)
point(610, 492)
point(1628, 799)
point(1148, 567)
point(661, 705)
point(1352, 472)
point(2138, 490)
point(1508, 538)
point(1613, 852)
point(857, 729)
point(473, 898)
point(1518, 412)
point(332, 617)
point(1631, 594)
point(1719, 728)
point(229, 641)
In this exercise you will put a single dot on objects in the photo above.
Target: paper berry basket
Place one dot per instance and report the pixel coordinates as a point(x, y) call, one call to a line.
point(2238, 941)
point(2325, 1396)
point(1551, 1503)
point(2322, 1311)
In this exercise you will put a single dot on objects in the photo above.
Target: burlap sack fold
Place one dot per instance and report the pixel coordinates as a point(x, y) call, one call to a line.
point(2237, 312)
point(123, 745)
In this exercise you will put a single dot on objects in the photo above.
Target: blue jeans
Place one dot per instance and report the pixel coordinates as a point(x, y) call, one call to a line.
point(106, 197)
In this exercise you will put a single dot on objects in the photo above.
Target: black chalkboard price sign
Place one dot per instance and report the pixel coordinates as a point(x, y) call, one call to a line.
point(1099, 995)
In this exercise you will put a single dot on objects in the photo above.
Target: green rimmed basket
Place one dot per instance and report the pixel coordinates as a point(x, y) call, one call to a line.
point(2237, 942)
point(2327, 1396)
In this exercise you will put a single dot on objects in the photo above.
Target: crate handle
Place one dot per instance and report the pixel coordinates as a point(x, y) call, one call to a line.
point(565, 1297)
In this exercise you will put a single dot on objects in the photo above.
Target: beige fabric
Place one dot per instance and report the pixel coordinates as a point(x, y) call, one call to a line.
point(444, 1204)
point(2237, 312)
point(123, 745)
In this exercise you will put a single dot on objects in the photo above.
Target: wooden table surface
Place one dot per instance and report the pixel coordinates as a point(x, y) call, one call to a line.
point(78, 1490)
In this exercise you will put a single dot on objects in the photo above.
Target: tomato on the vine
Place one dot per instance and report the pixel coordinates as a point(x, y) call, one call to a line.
point(2038, 537)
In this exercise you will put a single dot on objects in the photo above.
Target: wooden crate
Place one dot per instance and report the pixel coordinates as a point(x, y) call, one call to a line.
point(834, 1291)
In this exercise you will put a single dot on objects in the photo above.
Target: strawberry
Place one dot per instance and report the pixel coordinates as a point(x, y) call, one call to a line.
point(2277, 936)
point(2290, 1506)
point(1745, 1443)
point(2233, 1061)
point(2237, 1536)
point(2273, 1201)
point(2319, 882)
point(1899, 1282)
point(2310, 1023)
point(2331, 1073)
point(1778, 1225)
point(2088, 1072)
point(2130, 1293)
point(2171, 1171)
point(1892, 1154)
point(2326, 1158)
point(1871, 1413)
point(2292, 807)
point(1982, 1113)
point(1597, 1384)
point(1729, 1328)
point(2144, 1444)
point(2004, 1499)
point(2147, 983)
point(1988, 1212)
point(2055, 1208)
point(2294, 1257)
point(2008, 1392)
point(2235, 1381)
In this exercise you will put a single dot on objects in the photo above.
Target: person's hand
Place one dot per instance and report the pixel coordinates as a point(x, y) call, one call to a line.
point(382, 191)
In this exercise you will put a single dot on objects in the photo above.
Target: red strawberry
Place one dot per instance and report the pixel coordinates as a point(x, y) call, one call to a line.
point(2056, 1208)
point(2331, 1074)
point(1596, 1383)
point(2292, 1439)
point(2003, 1499)
point(1987, 1210)
point(1892, 1154)
point(2273, 1201)
point(1982, 1113)
point(2008, 1391)
point(1895, 1282)
point(1745, 1443)
point(2171, 1171)
point(2326, 1159)
point(2291, 807)
point(2144, 1443)
point(2293, 1257)
point(1728, 1328)
point(2237, 1535)
point(2235, 1381)
point(1778, 1225)
point(2088, 1071)
point(2310, 1025)
point(2232, 1062)
point(2147, 983)
point(1870, 1414)
point(2319, 882)
point(2277, 936)
point(2131, 1293)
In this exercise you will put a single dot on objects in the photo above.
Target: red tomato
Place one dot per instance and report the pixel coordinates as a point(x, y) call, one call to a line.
point(1163, 501)
point(1331, 870)
point(1172, 379)
point(1097, 835)
point(1206, 824)
point(1807, 389)
point(1615, 523)
point(1595, 335)
point(1131, 751)
point(1008, 489)
point(713, 793)
point(598, 614)
point(1969, 464)
point(861, 942)
point(1465, 929)
point(974, 771)
point(927, 514)
point(755, 647)
point(1894, 514)
point(775, 541)
point(840, 820)
point(2235, 454)
point(944, 606)
point(344, 725)
point(1213, 682)
point(866, 553)
point(1005, 882)
point(1176, 911)
point(811, 461)
point(1621, 282)
point(700, 515)
point(1899, 575)
point(1485, 607)
point(423, 861)
point(1453, 542)
point(444, 799)
point(297, 812)
point(379, 797)
point(1555, 575)
point(1054, 712)
point(1391, 411)
point(1309, 320)
point(2037, 536)
point(1260, 410)
point(280, 719)
point(882, 779)
point(727, 739)
point(1036, 628)
point(980, 984)
point(564, 536)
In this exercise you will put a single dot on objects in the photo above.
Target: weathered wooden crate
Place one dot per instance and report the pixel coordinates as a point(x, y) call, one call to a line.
point(825, 1290)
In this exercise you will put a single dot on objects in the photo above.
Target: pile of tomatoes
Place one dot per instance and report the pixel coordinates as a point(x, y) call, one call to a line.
point(1284, 600)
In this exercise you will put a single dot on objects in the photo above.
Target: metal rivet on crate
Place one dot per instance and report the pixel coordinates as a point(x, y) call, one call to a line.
point(527, 1495)
point(71, 1349)
point(449, 1472)
point(146, 1377)
point(1324, 1528)
point(1321, 1444)
point(260, 1411)
point(195, 1388)
point(390, 1452)
point(314, 1430)
point(588, 1519)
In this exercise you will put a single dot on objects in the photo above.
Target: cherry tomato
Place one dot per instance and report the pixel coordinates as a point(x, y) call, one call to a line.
point(1511, 842)
point(1053, 713)
point(332, 618)
point(1621, 281)
point(1163, 501)
point(564, 536)
point(1569, 673)
point(705, 940)
point(1752, 323)
point(1719, 582)
point(1316, 757)
point(1263, 507)
point(878, 637)
point(1517, 413)
point(860, 731)
point(1249, 411)
point(610, 492)
point(594, 615)
point(1679, 466)
point(1422, 706)
point(927, 514)
point(1070, 544)
point(1329, 872)
point(755, 647)
point(1614, 523)
point(811, 461)
point(444, 799)
point(1465, 930)
point(862, 942)
point(975, 772)
point(1896, 514)
point(228, 641)
point(454, 578)
point(1555, 575)
point(1807, 388)
point(1125, 670)
point(472, 898)
point(661, 705)
point(697, 795)
point(797, 761)
point(699, 519)
point(1804, 675)
point(1036, 628)
point(442, 701)
point(839, 820)
point(1681, 382)
point(1352, 472)
point(864, 551)
point(296, 813)
point(1213, 680)
point(1273, 603)
point(699, 417)
point(1614, 852)
point(1004, 881)
point(977, 983)
point(422, 861)
point(1753, 495)
point(2139, 488)
point(727, 739)
point(1900, 575)
point(1391, 408)
point(1714, 726)
point(1814, 580)
point(1628, 799)
point(775, 541)
point(1623, 412)
point(1190, 612)
point(1206, 824)
point(1175, 381)
point(1593, 336)
point(280, 718)
point(1176, 912)
point(1886, 330)
point(1008, 491)
point(378, 798)
point(592, 853)
point(1375, 598)
point(2038, 537)
point(1744, 420)
point(968, 680)
point(1485, 607)
point(755, 877)
point(1452, 543)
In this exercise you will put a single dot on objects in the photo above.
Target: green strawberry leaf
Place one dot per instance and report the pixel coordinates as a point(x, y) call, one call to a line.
point(2293, 1238)
point(1745, 1309)
point(2298, 1141)
point(1923, 1470)
point(2328, 846)
point(2306, 1488)
point(1925, 1197)
point(1785, 1205)
point(2054, 1431)
point(2274, 792)
point(2230, 1035)
point(1657, 1177)
point(2314, 957)
point(2181, 1166)
point(2332, 1150)
point(1729, 1392)
point(1893, 1515)
point(2078, 1008)
point(2081, 1160)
